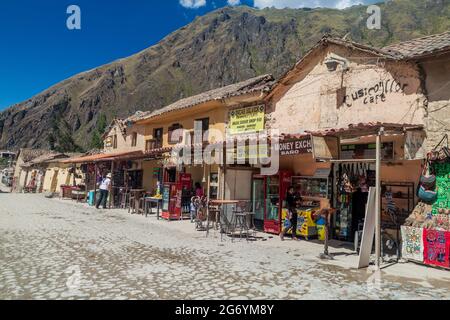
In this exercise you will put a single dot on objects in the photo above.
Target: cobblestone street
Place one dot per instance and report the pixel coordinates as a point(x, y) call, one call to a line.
point(54, 249)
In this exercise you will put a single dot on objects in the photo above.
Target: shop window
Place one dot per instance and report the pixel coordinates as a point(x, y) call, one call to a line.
point(134, 139)
point(174, 136)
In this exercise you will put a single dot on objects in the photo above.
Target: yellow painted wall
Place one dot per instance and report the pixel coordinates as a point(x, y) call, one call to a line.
point(124, 141)
point(49, 174)
point(149, 182)
point(216, 111)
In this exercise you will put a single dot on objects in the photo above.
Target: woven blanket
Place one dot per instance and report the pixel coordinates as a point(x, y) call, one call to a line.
point(413, 246)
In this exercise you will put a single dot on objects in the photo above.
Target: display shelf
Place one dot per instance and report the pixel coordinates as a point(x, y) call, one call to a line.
point(405, 203)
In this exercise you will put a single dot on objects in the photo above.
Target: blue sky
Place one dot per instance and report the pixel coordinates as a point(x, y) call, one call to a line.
point(37, 49)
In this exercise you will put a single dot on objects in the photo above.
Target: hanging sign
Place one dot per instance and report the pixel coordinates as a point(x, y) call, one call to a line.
point(296, 147)
point(415, 145)
point(246, 120)
point(326, 148)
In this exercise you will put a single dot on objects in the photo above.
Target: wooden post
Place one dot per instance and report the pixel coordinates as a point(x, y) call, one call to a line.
point(111, 196)
point(74, 167)
point(95, 183)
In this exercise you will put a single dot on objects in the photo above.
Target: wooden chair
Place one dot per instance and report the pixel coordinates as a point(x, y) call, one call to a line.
point(124, 197)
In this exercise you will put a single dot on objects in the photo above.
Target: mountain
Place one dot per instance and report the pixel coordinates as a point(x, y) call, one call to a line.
point(225, 46)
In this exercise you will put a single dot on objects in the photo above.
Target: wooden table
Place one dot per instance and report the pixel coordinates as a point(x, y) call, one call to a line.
point(136, 194)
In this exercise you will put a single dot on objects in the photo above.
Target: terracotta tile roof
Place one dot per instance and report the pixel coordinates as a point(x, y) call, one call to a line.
point(365, 129)
point(101, 157)
point(261, 83)
point(420, 47)
point(120, 123)
point(45, 158)
point(28, 155)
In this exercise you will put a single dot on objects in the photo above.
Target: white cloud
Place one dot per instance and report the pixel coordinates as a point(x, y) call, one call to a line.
point(234, 2)
point(342, 4)
point(281, 4)
point(193, 4)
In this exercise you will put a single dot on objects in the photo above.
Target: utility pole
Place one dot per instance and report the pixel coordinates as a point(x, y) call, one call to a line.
point(378, 202)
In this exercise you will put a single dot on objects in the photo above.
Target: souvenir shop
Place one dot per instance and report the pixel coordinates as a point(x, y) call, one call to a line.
point(126, 170)
point(336, 170)
point(355, 173)
point(426, 232)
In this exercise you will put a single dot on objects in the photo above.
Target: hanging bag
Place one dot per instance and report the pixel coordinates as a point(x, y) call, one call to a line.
point(427, 196)
point(363, 180)
point(427, 190)
point(443, 154)
point(428, 180)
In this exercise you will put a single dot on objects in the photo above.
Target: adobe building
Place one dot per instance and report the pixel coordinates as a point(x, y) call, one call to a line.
point(338, 98)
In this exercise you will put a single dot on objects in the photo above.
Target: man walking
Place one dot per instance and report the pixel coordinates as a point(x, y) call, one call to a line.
point(105, 186)
point(291, 201)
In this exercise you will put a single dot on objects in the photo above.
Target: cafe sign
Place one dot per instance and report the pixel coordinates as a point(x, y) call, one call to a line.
point(246, 120)
point(296, 147)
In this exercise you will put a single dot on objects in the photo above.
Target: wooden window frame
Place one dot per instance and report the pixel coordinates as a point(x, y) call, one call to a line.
point(173, 128)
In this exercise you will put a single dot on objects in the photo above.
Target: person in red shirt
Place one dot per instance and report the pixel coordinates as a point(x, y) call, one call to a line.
point(199, 190)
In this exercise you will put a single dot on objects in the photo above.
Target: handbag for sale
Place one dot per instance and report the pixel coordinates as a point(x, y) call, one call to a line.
point(427, 196)
point(363, 180)
point(444, 154)
point(428, 180)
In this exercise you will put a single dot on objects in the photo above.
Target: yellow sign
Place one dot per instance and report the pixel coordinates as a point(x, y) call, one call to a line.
point(246, 120)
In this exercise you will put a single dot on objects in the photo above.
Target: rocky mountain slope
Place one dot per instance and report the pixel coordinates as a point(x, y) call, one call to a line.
point(225, 46)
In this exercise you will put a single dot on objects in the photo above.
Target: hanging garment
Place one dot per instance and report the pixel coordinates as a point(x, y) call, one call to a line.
point(363, 179)
point(413, 246)
point(391, 208)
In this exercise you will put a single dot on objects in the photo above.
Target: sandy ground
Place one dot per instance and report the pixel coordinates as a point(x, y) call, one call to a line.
point(55, 249)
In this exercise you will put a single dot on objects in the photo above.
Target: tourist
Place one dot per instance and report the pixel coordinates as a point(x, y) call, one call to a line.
point(104, 186)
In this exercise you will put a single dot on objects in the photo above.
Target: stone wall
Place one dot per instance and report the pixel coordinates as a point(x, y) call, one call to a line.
point(437, 81)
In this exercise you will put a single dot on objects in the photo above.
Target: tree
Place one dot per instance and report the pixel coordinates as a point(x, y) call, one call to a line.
point(60, 137)
point(96, 140)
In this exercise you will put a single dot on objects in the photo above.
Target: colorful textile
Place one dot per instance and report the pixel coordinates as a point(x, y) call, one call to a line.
point(413, 247)
point(442, 171)
point(437, 248)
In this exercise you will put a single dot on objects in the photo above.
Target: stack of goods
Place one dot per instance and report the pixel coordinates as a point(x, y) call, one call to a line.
point(426, 233)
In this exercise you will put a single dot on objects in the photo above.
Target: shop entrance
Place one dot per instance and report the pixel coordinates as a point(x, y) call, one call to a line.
point(171, 175)
point(351, 195)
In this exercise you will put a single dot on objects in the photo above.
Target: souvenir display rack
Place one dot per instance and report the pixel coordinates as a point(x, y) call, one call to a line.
point(426, 233)
point(313, 187)
point(403, 195)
